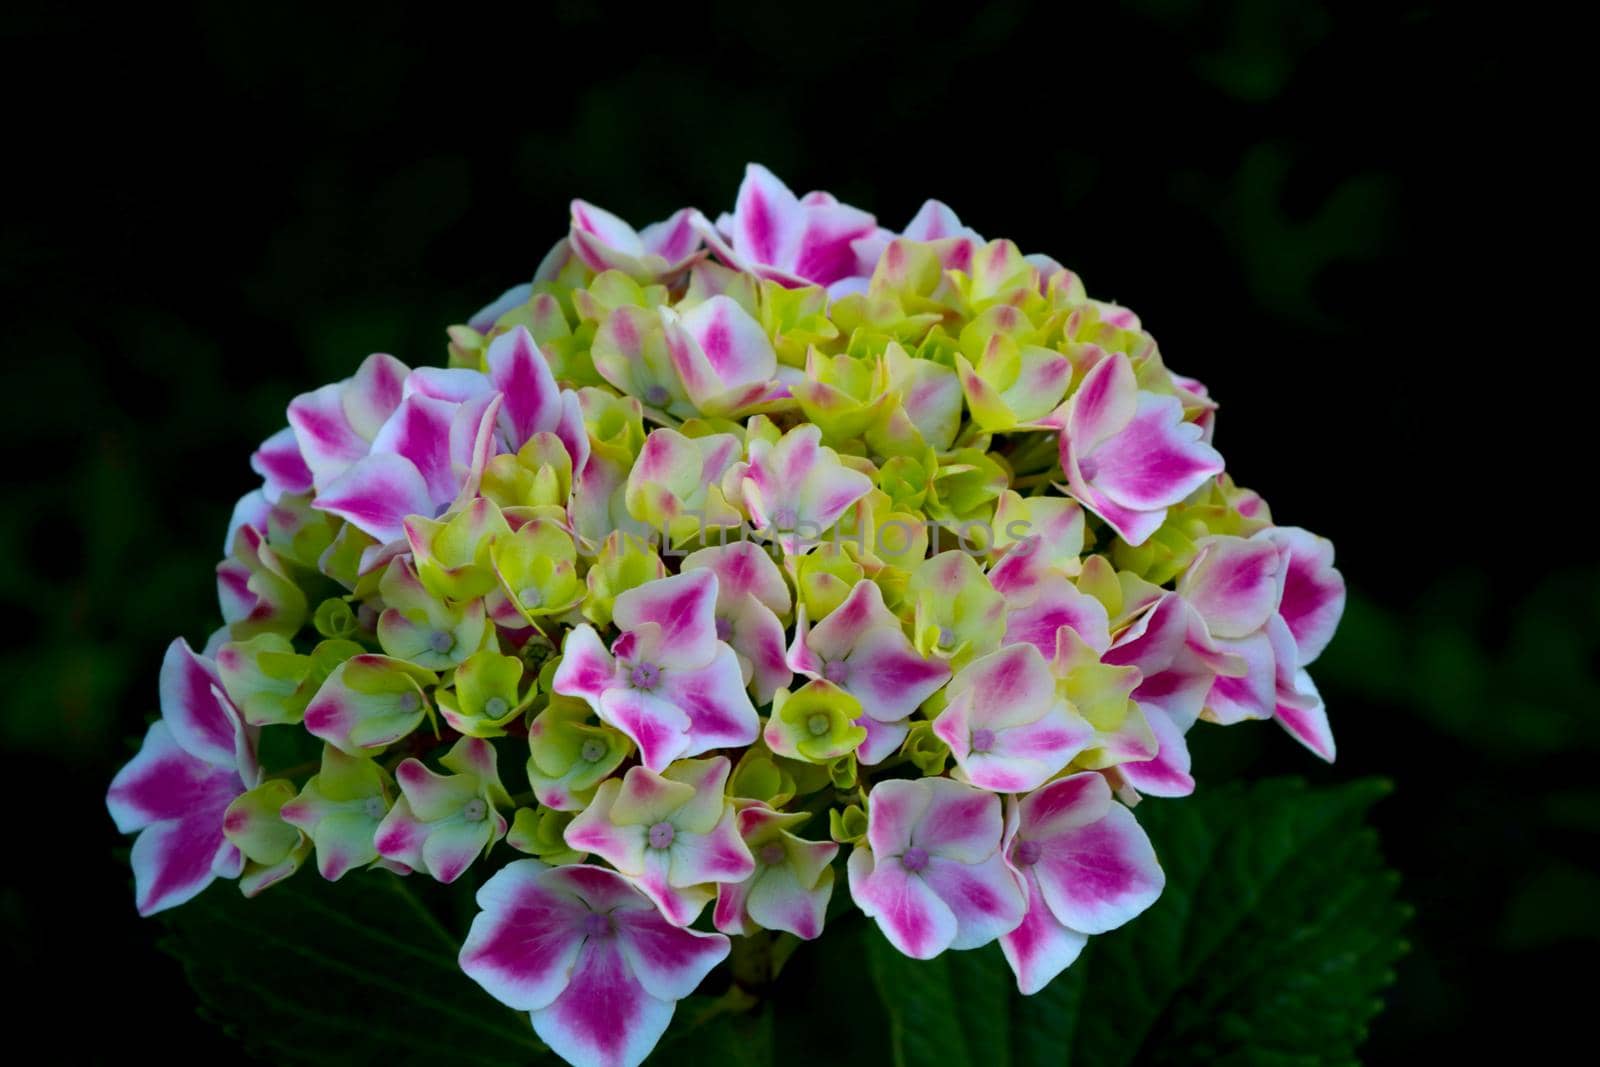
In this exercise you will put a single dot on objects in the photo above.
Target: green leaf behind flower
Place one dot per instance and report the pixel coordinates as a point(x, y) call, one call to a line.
point(354, 971)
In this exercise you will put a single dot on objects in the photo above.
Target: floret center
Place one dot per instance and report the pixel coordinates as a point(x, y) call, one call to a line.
point(646, 676)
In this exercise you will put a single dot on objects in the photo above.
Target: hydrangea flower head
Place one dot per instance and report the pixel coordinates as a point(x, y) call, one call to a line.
point(713, 527)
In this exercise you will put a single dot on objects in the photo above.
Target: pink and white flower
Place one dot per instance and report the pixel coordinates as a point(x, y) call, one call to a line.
point(587, 956)
point(675, 835)
point(668, 681)
point(791, 240)
point(723, 357)
point(195, 761)
point(1270, 600)
point(931, 872)
point(752, 600)
point(1007, 727)
point(797, 489)
point(390, 442)
point(1178, 662)
point(862, 648)
point(934, 221)
point(1087, 867)
point(792, 882)
point(442, 822)
point(660, 251)
point(1127, 452)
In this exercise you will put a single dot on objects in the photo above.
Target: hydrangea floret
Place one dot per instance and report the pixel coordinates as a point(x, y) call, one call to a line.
point(726, 561)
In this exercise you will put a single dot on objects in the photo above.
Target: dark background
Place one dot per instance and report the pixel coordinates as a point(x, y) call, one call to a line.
point(1319, 210)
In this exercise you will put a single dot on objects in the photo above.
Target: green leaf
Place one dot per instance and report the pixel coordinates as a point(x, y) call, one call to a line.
point(1273, 939)
point(337, 972)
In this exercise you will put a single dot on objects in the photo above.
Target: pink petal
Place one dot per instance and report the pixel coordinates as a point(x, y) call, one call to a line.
point(455, 384)
point(1234, 584)
point(1251, 696)
point(1132, 525)
point(718, 856)
point(603, 231)
point(519, 371)
point(1306, 718)
point(758, 637)
point(370, 397)
point(825, 254)
point(669, 961)
point(743, 567)
point(252, 509)
point(779, 902)
point(728, 915)
point(984, 897)
point(419, 431)
point(280, 464)
point(734, 344)
point(1102, 405)
point(605, 1017)
point(959, 823)
point(1175, 677)
point(1059, 604)
point(1155, 461)
point(934, 221)
point(863, 610)
point(1313, 591)
point(1024, 757)
point(882, 741)
point(571, 432)
point(887, 676)
point(674, 238)
point(376, 494)
point(659, 727)
point(586, 667)
point(719, 711)
point(593, 831)
point(524, 942)
point(1168, 774)
point(1066, 804)
point(894, 808)
point(202, 722)
point(165, 782)
point(910, 914)
point(1008, 687)
point(328, 443)
point(683, 605)
point(1097, 876)
point(401, 835)
point(768, 222)
point(1040, 948)
point(175, 859)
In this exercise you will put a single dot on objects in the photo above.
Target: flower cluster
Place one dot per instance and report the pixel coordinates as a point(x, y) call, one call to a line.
point(723, 556)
